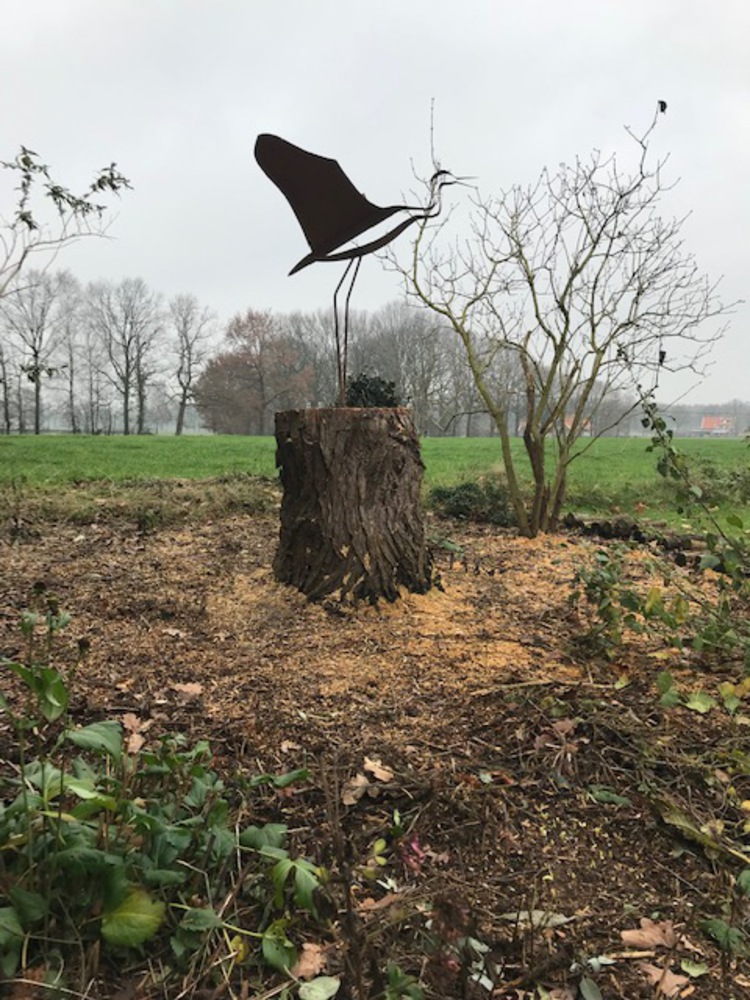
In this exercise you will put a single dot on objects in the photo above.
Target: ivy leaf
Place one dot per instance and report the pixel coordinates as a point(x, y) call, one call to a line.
point(134, 921)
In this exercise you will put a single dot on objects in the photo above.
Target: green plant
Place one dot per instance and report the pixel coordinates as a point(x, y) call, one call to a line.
point(105, 849)
point(371, 390)
point(400, 986)
point(729, 930)
point(723, 631)
point(485, 500)
point(613, 603)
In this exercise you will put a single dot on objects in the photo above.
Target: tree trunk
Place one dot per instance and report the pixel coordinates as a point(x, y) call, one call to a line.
point(351, 522)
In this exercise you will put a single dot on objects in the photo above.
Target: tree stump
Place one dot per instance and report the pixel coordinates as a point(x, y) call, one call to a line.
point(351, 522)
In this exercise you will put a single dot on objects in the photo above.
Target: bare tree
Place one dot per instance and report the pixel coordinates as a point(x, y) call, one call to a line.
point(127, 319)
point(32, 314)
point(6, 384)
point(580, 281)
point(47, 215)
point(192, 327)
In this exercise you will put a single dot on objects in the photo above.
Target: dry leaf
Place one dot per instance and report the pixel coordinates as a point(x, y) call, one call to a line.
point(377, 769)
point(192, 689)
point(176, 633)
point(131, 722)
point(650, 935)
point(287, 745)
point(354, 789)
point(135, 742)
point(311, 961)
point(371, 905)
point(669, 982)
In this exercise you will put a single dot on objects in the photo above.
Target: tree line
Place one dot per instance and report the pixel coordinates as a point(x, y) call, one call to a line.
point(116, 357)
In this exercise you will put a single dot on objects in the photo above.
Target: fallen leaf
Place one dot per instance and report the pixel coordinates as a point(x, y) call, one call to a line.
point(191, 689)
point(669, 983)
point(311, 961)
point(176, 633)
point(377, 769)
point(536, 918)
point(135, 742)
point(650, 935)
point(287, 745)
point(354, 789)
point(371, 905)
point(131, 722)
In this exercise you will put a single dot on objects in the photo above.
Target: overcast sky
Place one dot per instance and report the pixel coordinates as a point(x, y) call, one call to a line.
point(176, 92)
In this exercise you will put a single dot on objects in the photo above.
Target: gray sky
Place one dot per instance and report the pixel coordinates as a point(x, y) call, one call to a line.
point(176, 92)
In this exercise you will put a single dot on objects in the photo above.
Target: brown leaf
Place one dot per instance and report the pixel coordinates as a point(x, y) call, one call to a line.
point(131, 722)
point(669, 983)
point(192, 689)
point(371, 905)
point(135, 742)
point(650, 935)
point(311, 961)
point(377, 769)
point(354, 789)
point(287, 745)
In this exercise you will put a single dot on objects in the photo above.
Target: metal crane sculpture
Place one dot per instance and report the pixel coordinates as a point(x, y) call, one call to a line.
point(332, 213)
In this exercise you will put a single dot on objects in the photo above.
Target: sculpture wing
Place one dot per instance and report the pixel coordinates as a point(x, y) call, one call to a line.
point(329, 208)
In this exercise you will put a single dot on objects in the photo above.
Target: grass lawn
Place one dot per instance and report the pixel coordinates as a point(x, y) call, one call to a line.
point(613, 472)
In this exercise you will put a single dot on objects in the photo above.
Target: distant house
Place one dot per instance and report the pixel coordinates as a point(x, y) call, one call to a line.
point(715, 425)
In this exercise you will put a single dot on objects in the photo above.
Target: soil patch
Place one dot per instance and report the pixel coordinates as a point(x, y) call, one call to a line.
point(526, 780)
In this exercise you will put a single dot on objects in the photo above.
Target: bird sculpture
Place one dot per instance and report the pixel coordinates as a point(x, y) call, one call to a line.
point(333, 213)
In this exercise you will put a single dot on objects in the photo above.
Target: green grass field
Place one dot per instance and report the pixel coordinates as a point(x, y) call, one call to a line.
point(613, 472)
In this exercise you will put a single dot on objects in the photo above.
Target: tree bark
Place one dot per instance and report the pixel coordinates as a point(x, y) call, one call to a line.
point(351, 522)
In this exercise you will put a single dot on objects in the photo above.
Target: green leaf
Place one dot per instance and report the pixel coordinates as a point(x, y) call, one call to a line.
point(269, 835)
point(279, 874)
point(701, 702)
point(305, 883)
point(664, 682)
point(11, 930)
point(200, 919)
point(670, 698)
point(134, 921)
point(52, 693)
point(693, 969)
point(728, 938)
point(600, 793)
point(30, 906)
point(321, 988)
point(278, 950)
point(743, 882)
point(589, 989)
point(735, 521)
point(284, 780)
point(164, 877)
point(104, 737)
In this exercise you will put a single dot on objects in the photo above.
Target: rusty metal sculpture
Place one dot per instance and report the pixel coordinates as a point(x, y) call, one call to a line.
point(332, 213)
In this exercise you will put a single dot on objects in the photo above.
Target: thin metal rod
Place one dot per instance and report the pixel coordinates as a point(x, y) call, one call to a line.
point(341, 355)
point(346, 322)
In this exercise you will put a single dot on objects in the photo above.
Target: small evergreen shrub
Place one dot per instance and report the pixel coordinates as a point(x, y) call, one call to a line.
point(484, 500)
